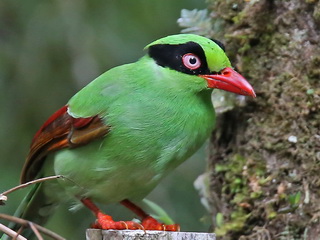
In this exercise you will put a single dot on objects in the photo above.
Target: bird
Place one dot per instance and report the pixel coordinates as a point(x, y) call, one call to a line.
point(126, 130)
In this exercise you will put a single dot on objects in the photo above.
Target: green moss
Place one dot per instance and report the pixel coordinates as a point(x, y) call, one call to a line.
point(244, 48)
point(233, 174)
point(294, 199)
point(254, 195)
point(237, 173)
point(236, 223)
point(310, 91)
point(219, 219)
point(263, 181)
point(271, 215)
point(316, 12)
point(238, 18)
point(277, 51)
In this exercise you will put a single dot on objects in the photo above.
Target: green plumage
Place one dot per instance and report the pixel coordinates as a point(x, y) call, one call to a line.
point(158, 117)
point(155, 125)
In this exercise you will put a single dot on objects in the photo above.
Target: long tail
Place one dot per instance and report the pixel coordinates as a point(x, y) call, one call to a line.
point(35, 207)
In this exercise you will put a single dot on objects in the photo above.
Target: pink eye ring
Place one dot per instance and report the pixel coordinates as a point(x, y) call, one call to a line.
point(191, 61)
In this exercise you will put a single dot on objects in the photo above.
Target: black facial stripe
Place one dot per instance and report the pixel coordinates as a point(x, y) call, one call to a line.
point(168, 55)
point(220, 44)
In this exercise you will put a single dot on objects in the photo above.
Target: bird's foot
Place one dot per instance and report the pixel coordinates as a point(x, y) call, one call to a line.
point(106, 222)
point(149, 223)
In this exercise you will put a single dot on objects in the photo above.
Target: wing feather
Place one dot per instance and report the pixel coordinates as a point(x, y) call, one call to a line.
point(61, 131)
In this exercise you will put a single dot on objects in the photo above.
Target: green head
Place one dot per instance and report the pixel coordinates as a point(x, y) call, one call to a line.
point(199, 57)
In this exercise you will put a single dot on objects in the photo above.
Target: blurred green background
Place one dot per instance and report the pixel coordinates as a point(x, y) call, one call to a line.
point(51, 49)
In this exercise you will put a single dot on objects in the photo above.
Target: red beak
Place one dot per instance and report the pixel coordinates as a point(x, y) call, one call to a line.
point(231, 81)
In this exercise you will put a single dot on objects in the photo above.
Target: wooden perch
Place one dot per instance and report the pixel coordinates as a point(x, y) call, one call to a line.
point(96, 234)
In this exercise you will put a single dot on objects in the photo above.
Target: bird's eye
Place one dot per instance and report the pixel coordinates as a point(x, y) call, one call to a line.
point(191, 61)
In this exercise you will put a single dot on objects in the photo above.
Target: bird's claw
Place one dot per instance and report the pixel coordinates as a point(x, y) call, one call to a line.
point(149, 223)
point(106, 222)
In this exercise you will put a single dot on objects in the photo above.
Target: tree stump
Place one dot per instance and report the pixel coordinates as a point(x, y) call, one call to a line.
point(97, 234)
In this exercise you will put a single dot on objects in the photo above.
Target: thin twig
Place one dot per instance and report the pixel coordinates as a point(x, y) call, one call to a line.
point(26, 224)
point(11, 233)
point(34, 227)
point(4, 194)
point(35, 230)
point(18, 233)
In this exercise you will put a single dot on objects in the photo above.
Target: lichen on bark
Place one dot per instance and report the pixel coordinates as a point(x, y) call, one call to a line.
point(264, 156)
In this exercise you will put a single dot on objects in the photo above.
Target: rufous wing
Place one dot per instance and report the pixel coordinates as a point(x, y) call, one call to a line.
point(61, 131)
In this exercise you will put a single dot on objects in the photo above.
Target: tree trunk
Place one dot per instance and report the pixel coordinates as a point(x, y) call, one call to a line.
point(264, 163)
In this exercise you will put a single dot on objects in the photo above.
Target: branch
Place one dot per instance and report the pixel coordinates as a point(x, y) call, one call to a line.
point(3, 196)
point(32, 225)
point(35, 230)
point(11, 233)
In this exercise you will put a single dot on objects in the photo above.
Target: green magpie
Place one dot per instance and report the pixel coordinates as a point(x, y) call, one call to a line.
point(126, 130)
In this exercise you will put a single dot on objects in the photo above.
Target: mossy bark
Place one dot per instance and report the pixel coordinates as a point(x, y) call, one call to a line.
point(264, 163)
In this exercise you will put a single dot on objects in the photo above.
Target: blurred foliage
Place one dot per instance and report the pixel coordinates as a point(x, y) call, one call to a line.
point(48, 51)
point(196, 21)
